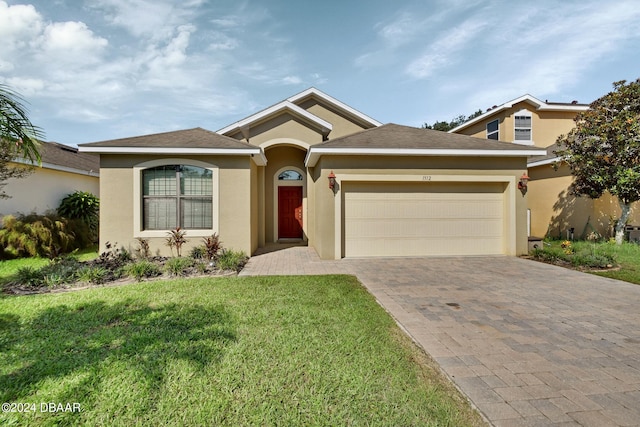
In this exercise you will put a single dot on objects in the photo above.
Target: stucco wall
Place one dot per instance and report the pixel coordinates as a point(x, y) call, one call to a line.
point(322, 238)
point(554, 211)
point(546, 125)
point(44, 189)
point(341, 125)
point(235, 202)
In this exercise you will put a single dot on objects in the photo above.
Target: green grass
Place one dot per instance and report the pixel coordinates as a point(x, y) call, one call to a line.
point(10, 267)
point(311, 350)
point(627, 256)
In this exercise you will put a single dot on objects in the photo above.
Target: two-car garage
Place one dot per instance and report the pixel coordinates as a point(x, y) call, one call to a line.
point(424, 218)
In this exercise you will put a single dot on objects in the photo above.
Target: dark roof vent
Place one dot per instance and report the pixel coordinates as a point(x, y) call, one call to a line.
point(574, 102)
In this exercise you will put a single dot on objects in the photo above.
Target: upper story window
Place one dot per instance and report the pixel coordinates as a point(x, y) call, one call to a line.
point(290, 175)
point(522, 126)
point(177, 196)
point(493, 130)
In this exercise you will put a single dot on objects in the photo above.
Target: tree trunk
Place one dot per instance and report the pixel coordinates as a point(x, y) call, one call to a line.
point(624, 216)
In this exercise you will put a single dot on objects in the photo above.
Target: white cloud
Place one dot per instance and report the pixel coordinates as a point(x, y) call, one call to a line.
point(26, 86)
point(71, 42)
point(446, 50)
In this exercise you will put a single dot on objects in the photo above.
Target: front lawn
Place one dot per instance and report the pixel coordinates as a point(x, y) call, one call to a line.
point(312, 350)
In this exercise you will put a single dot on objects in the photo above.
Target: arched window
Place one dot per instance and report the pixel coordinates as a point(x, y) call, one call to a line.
point(290, 175)
point(177, 196)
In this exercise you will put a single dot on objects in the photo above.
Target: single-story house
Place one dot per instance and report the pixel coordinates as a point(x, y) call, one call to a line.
point(312, 169)
point(64, 170)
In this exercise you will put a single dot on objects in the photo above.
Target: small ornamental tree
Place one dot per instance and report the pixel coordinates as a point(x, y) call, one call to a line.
point(603, 150)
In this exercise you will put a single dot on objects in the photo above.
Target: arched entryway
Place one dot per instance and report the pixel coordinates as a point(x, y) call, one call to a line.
point(288, 191)
point(285, 193)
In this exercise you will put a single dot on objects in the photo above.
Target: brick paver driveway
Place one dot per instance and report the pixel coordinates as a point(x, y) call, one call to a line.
point(530, 344)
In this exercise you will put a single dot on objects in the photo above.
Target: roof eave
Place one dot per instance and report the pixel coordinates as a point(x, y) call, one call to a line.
point(314, 154)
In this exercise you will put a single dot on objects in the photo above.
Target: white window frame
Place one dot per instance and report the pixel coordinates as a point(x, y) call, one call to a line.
point(523, 113)
point(138, 224)
point(496, 132)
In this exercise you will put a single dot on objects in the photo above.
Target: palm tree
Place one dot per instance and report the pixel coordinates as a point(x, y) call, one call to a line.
point(18, 135)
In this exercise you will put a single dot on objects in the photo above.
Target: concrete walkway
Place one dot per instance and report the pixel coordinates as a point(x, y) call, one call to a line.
point(530, 344)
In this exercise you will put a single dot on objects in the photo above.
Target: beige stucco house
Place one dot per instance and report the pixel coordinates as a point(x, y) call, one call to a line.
point(63, 171)
point(552, 211)
point(312, 169)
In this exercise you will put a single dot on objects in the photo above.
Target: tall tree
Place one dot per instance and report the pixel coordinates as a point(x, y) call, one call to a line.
point(454, 123)
point(603, 150)
point(18, 137)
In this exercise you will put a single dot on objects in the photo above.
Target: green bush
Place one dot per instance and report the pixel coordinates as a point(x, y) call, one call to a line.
point(92, 274)
point(178, 266)
point(578, 254)
point(47, 235)
point(58, 271)
point(232, 260)
point(198, 252)
point(82, 206)
point(141, 269)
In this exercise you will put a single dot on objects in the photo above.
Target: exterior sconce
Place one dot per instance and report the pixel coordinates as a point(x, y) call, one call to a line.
point(332, 180)
point(523, 183)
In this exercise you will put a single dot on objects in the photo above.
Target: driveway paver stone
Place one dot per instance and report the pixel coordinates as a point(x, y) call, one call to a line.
point(529, 344)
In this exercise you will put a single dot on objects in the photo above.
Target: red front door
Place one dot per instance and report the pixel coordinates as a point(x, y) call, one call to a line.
point(289, 212)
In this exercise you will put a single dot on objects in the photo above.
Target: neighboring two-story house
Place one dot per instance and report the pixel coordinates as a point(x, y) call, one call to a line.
point(552, 211)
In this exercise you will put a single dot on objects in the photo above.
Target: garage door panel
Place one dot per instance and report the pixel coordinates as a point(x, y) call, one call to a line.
point(422, 220)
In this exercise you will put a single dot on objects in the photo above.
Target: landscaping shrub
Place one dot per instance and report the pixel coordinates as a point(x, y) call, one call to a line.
point(47, 236)
point(178, 266)
point(212, 246)
point(141, 269)
point(232, 260)
point(57, 272)
point(176, 238)
point(143, 251)
point(578, 254)
point(93, 274)
point(82, 206)
point(198, 252)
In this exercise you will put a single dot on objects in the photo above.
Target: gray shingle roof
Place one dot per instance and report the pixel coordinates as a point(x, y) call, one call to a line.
point(188, 138)
point(392, 136)
point(68, 157)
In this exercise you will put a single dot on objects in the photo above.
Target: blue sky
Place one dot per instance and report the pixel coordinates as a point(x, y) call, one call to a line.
point(92, 70)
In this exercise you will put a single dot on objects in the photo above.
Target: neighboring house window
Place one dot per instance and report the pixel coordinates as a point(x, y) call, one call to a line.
point(177, 196)
point(522, 127)
point(492, 130)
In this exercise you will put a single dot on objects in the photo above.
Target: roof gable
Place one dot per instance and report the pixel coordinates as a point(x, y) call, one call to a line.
point(532, 100)
point(292, 106)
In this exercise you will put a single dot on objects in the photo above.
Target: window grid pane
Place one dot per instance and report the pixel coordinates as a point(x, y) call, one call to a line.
point(160, 181)
point(192, 208)
point(523, 134)
point(160, 213)
point(196, 213)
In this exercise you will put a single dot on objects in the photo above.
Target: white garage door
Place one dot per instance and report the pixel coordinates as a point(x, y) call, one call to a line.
point(418, 219)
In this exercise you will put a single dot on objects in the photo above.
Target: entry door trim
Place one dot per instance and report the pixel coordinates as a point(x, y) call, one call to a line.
point(277, 183)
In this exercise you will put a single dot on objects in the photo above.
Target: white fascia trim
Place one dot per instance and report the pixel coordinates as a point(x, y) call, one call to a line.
point(315, 153)
point(331, 100)
point(256, 154)
point(540, 105)
point(324, 125)
point(59, 168)
point(544, 162)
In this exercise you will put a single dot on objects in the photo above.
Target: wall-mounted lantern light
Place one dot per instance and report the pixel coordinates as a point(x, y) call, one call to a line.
point(523, 183)
point(332, 180)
